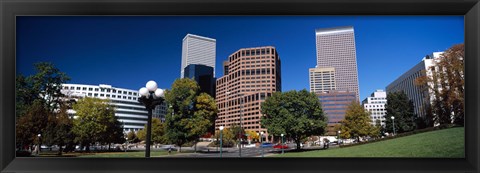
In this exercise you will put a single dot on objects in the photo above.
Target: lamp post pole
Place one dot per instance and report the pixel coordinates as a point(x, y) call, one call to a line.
point(150, 96)
point(241, 129)
point(39, 144)
point(283, 143)
point(338, 137)
point(393, 120)
point(221, 140)
point(261, 141)
point(126, 144)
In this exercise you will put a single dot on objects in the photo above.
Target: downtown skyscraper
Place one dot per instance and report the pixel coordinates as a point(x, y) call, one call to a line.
point(336, 49)
point(198, 50)
point(335, 77)
point(250, 76)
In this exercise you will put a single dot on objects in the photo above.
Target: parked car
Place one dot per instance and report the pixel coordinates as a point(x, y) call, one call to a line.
point(280, 146)
point(166, 147)
point(266, 145)
point(249, 146)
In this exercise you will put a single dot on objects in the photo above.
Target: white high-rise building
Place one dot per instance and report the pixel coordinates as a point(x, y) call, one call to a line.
point(129, 111)
point(375, 104)
point(406, 82)
point(198, 50)
point(336, 48)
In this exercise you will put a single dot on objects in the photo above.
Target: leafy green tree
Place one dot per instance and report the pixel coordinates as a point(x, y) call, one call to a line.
point(46, 84)
point(252, 135)
point(203, 118)
point(94, 116)
point(399, 106)
point(298, 114)
point(132, 137)
point(43, 89)
point(193, 113)
point(114, 132)
point(227, 137)
point(158, 132)
point(357, 123)
point(31, 124)
point(181, 98)
point(59, 129)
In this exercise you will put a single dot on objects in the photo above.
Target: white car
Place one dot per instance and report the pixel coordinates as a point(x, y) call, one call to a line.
point(249, 146)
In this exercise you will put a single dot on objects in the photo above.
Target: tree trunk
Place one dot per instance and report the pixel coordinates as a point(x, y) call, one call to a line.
point(109, 146)
point(60, 150)
point(195, 149)
point(87, 148)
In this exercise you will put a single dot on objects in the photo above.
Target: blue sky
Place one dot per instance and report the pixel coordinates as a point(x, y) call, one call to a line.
point(127, 51)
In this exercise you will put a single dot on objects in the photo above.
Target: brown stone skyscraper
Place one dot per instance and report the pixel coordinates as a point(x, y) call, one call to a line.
point(250, 76)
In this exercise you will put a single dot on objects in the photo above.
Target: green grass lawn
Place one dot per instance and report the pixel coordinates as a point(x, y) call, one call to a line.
point(446, 143)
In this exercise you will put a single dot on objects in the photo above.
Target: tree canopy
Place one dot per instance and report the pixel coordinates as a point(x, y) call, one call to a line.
point(399, 106)
point(446, 87)
point(193, 113)
point(94, 118)
point(297, 114)
point(357, 123)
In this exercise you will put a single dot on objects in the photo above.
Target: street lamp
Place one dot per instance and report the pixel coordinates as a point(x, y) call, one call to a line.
point(126, 142)
point(393, 120)
point(261, 141)
point(338, 138)
point(150, 96)
point(283, 143)
point(39, 143)
point(221, 140)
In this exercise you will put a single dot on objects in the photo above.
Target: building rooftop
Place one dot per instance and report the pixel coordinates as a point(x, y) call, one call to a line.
point(322, 31)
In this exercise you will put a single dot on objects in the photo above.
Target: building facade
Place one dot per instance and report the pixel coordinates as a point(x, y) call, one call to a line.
point(322, 79)
point(375, 104)
point(198, 50)
point(406, 83)
point(129, 111)
point(334, 105)
point(336, 48)
point(203, 75)
point(250, 76)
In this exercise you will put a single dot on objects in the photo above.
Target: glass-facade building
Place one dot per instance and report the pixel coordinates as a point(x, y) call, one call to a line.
point(203, 75)
point(334, 105)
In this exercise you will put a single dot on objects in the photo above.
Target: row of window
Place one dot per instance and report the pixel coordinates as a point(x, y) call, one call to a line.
point(101, 90)
point(111, 96)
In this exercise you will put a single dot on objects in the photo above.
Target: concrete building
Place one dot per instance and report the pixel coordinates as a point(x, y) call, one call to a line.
point(129, 111)
point(406, 82)
point(198, 50)
point(250, 76)
point(203, 75)
point(375, 104)
point(336, 48)
point(322, 79)
point(334, 105)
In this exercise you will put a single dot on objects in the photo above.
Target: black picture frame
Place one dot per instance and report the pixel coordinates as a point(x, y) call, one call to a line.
point(9, 9)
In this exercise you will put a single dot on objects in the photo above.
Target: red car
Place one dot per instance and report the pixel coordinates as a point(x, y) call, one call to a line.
point(280, 146)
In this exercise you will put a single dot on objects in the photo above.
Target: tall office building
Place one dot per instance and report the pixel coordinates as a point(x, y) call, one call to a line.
point(250, 76)
point(203, 75)
point(375, 104)
point(198, 50)
point(336, 48)
point(406, 82)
